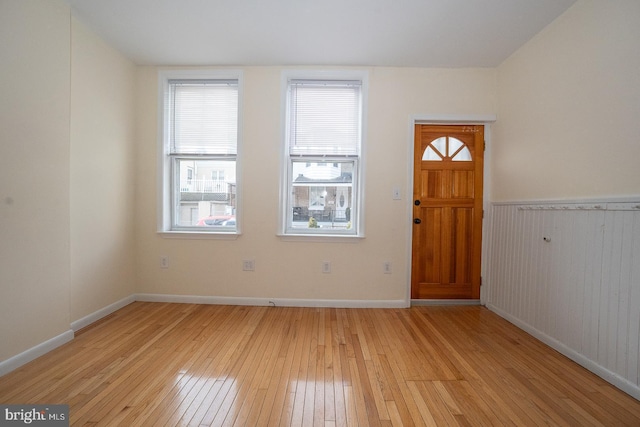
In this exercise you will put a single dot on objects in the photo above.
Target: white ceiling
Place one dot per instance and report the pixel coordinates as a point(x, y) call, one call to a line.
point(404, 33)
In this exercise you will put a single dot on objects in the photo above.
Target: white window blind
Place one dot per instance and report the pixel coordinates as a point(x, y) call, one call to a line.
point(324, 117)
point(204, 117)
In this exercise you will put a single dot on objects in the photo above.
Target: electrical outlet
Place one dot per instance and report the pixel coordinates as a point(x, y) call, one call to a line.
point(326, 267)
point(248, 265)
point(386, 267)
point(164, 261)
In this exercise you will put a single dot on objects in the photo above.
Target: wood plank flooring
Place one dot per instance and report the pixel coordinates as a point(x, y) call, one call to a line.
point(184, 364)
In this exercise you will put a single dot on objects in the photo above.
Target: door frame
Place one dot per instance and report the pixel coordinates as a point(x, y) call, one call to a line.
point(450, 119)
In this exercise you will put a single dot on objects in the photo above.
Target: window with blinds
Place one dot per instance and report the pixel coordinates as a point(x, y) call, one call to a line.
point(204, 117)
point(323, 138)
point(200, 147)
point(325, 117)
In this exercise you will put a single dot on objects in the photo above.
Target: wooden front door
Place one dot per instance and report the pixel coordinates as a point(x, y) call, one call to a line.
point(447, 212)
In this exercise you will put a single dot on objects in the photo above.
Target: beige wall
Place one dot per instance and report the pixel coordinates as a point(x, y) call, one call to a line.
point(102, 173)
point(34, 173)
point(568, 108)
point(66, 174)
point(292, 269)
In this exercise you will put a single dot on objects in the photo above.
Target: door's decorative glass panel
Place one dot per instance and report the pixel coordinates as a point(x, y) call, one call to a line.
point(464, 155)
point(440, 144)
point(431, 154)
point(454, 145)
point(447, 148)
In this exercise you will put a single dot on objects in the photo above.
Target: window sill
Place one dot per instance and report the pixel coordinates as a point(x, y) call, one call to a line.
point(199, 235)
point(331, 238)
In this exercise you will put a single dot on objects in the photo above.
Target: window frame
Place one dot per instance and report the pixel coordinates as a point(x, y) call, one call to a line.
point(168, 174)
point(286, 229)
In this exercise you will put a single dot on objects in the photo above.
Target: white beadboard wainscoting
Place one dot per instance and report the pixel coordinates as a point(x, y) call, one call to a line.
point(569, 274)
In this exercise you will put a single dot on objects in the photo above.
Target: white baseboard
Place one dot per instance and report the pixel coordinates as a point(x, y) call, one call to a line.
point(33, 353)
point(421, 302)
point(27, 356)
point(604, 373)
point(278, 302)
point(103, 312)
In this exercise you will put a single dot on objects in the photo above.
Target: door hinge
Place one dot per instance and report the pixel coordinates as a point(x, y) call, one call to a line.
point(484, 145)
point(482, 213)
point(480, 281)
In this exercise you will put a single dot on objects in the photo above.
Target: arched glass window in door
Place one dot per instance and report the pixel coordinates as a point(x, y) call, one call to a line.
point(448, 148)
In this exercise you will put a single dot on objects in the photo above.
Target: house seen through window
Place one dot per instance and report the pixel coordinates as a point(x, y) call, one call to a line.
point(323, 156)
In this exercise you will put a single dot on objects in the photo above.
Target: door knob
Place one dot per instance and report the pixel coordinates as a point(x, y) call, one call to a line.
point(417, 203)
point(417, 221)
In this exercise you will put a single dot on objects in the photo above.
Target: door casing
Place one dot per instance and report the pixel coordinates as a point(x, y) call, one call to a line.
point(448, 119)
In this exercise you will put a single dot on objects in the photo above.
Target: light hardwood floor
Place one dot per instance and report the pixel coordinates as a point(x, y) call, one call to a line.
point(181, 364)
